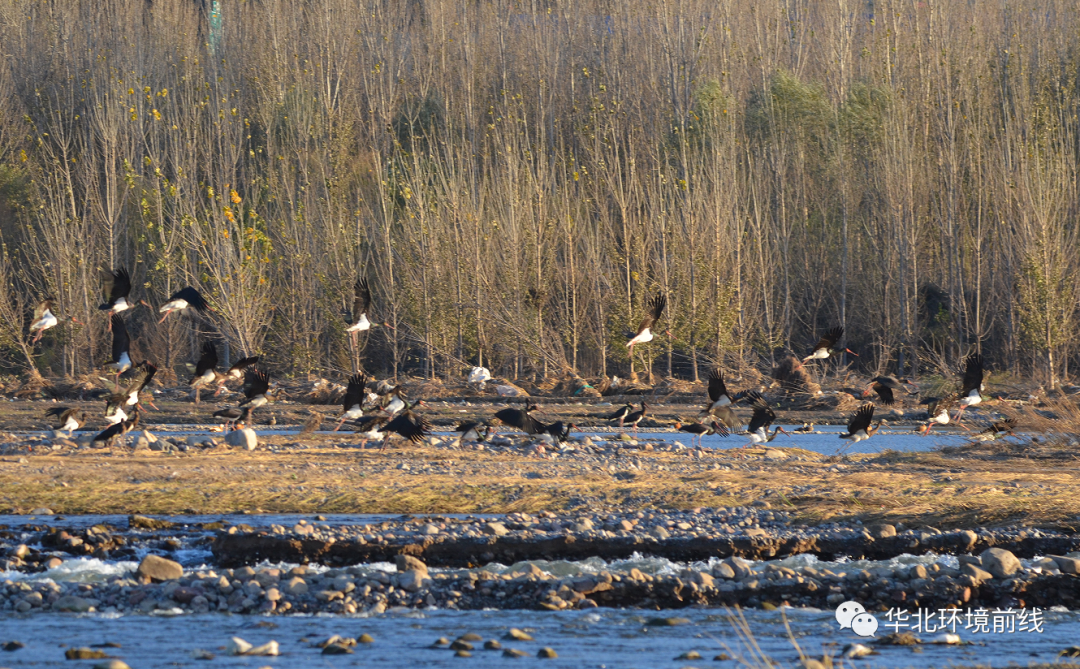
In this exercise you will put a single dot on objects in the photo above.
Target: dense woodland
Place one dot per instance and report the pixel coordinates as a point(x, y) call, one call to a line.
point(516, 179)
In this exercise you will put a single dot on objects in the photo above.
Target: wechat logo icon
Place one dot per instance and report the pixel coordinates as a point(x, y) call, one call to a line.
point(853, 616)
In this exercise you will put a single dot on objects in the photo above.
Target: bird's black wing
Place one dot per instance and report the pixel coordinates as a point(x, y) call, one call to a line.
point(366, 423)
point(752, 396)
point(622, 411)
point(121, 343)
point(207, 361)
point(355, 392)
point(717, 387)
point(230, 413)
point(110, 432)
point(361, 298)
point(243, 363)
point(973, 373)
point(466, 425)
point(861, 419)
point(828, 341)
point(191, 296)
point(763, 416)
point(512, 417)
point(654, 309)
point(144, 371)
point(115, 284)
point(885, 393)
point(256, 382)
point(56, 411)
point(410, 427)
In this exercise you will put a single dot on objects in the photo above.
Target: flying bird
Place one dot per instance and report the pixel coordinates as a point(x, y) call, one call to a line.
point(205, 369)
point(353, 402)
point(121, 347)
point(406, 425)
point(859, 428)
point(116, 286)
point(827, 345)
point(68, 419)
point(358, 317)
point(937, 410)
point(972, 386)
point(143, 374)
point(45, 319)
point(256, 388)
point(182, 299)
point(884, 387)
point(371, 428)
point(655, 309)
point(760, 421)
point(236, 372)
point(521, 419)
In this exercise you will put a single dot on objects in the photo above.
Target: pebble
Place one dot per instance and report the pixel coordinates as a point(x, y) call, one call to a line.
point(547, 653)
point(517, 635)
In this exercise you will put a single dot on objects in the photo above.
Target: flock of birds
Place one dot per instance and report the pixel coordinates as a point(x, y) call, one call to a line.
point(383, 416)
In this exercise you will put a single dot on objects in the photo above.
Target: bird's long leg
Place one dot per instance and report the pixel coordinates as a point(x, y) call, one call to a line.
point(926, 430)
point(340, 423)
point(164, 317)
point(197, 391)
point(959, 413)
point(385, 441)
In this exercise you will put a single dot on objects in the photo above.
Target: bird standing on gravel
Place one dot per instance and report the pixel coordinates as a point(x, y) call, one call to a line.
point(234, 416)
point(473, 431)
point(634, 418)
point(621, 414)
point(118, 430)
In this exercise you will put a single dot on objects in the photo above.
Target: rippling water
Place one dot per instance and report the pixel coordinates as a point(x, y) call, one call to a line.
point(598, 638)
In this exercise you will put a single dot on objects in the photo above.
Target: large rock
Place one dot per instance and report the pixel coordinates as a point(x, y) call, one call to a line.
point(72, 603)
point(413, 580)
point(1067, 565)
point(157, 568)
point(882, 530)
point(496, 528)
point(245, 438)
point(739, 566)
point(1000, 562)
point(408, 562)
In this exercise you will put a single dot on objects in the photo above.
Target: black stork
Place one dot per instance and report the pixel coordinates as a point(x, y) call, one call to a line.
point(635, 417)
point(520, 419)
point(358, 318)
point(205, 373)
point(997, 428)
point(700, 430)
point(236, 372)
point(858, 428)
point(406, 425)
point(117, 430)
point(556, 433)
point(116, 286)
point(762, 418)
point(621, 414)
point(143, 374)
point(884, 387)
point(654, 310)
point(45, 319)
point(937, 411)
point(353, 402)
point(233, 416)
point(371, 428)
point(473, 431)
point(972, 386)
point(827, 345)
point(182, 299)
point(121, 347)
point(256, 388)
point(68, 419)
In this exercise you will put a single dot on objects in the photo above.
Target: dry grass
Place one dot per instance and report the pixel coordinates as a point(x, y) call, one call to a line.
point(969, 487)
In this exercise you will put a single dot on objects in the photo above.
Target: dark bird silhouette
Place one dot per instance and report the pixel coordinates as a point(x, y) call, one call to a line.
point(234, 416)
point(236, 372)
point(654, 310)
point(116, 286)
point(859, 428)
point(353, 402)
point(620, 414)
point(256, 388)
point(371, 428)
point(827, 345)
point(117, 430)
point(182, 299)
point(937, 411)
point(972, 386)
point(406, 425)
point(998, 428)
point(205, 369)
point(358, 319)
point(700, 430)
point(884, 387)
point(138, 381)
point(760, 421)
point(121, 347)
point(635, 417)
point(555, 433)
point(520, 419)
point(473, 431)
point(68, 419)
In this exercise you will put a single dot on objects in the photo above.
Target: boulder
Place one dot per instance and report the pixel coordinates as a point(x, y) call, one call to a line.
point(408, 562)
point(157, 568)
point(245, 438)
point(413, 580)
point(1000, 562)
point(1067, 565)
